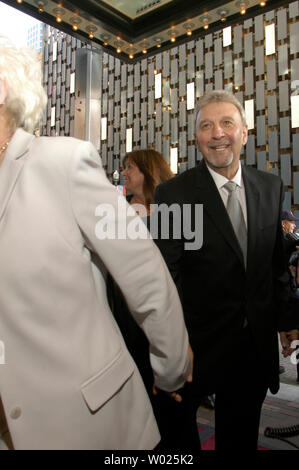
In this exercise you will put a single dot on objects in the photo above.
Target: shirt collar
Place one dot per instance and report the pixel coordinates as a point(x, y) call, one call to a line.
point(221, 180)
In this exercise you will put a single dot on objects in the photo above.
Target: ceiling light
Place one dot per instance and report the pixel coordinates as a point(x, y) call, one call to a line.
point(262, 3)
point(242, 8)
point(131, 55)
point(19, 1)
point(118, 49)
point(91, 29)
point(158, 41)
point(172, 37)
point(205, 23)
point(105, 38)
point(188, 27)
point(58, 13)
point(223, 15)
point(75, 23)
point(40, 5)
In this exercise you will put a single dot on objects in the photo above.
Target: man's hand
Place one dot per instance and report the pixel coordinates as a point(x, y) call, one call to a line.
point(286, 338)
point(176, 396)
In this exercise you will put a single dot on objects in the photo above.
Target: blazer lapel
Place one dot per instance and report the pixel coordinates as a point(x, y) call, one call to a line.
point(12, 165)
point(212, 204)
point(252, 203)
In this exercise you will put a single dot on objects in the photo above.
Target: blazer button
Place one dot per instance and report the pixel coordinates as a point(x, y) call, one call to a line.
point(15, 412)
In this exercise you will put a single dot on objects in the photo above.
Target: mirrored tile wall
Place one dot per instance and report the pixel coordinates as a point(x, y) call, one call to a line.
point(151, 103)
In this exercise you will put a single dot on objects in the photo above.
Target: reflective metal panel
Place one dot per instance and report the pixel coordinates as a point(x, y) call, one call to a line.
point(218, 80)
point(284, 132)
point(199, 52)
point(295, 149)
point(166, 63)
point(260, 95)
point(271, 74)
point(248, 47)
point(182, 55)
point(182, 83)
point(158, 115)
point(238, 72)
point(259, 28)
point(174, 71)
point(249, 81)
point(137, 75)
point(238, 39)
point(284, 95)
point(273, 146)
point(283, 59)
point(285, 168)
point(191, 66)
point(174, 100)
point(282, 25)
point(228, 64)
point(261, 130)
point(262, 161)
point(209, 65)
point(296, 187)
point(272, 110)
point(294, 38)
point(250, 150)
point(218, 51)
point(166, 121)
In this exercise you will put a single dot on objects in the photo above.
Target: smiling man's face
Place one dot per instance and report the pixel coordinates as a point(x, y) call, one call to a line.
point(220, 135)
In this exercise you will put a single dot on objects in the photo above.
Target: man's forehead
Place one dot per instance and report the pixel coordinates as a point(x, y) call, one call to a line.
point(223, 109)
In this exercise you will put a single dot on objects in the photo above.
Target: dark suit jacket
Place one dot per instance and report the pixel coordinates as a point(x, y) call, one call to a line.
point(216, 291)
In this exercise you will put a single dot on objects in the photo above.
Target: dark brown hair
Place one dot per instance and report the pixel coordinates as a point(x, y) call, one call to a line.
point(154, 168)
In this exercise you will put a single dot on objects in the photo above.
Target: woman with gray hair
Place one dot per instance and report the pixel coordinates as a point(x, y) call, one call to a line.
point(68, 381)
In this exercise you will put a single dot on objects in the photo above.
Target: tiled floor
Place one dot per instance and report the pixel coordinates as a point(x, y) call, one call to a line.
point(281, 410)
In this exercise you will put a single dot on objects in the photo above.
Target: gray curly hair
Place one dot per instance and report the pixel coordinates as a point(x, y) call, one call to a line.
point(20, 71)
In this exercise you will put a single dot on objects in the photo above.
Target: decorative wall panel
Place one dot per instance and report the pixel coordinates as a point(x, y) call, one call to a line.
point(254, 65)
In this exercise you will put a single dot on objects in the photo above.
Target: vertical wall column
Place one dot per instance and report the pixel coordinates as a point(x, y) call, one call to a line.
point(88, 95)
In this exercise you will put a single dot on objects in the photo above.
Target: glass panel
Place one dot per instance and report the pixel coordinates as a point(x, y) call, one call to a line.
point(270, 39)
point(190, 96)
point(227, 36)
point(249, 112)
point(295, 111)
point(174, 160)
point(158, 86)
point(129, 140)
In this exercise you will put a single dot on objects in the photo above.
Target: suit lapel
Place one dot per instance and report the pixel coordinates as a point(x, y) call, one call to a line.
point(213, 205)
point(253, 205)
point(12, 165)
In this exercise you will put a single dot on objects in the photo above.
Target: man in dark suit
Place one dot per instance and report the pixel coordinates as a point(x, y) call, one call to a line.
point(234, 287)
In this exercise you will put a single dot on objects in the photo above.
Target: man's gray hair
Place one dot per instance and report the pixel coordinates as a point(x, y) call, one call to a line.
point(220, 96)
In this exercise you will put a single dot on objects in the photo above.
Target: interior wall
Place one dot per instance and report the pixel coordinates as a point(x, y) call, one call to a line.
point(130, 106)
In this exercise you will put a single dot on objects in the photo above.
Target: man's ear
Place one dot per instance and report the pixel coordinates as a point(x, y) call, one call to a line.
point(245, 134)
point(3, 91)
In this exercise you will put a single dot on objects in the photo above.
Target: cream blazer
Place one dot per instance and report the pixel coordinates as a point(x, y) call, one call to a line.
point(68, 381)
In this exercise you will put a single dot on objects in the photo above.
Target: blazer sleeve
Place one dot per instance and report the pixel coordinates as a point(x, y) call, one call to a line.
point(135, 264)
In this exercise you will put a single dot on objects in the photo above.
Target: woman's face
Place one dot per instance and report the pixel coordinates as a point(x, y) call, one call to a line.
point(133, 178)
